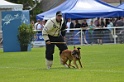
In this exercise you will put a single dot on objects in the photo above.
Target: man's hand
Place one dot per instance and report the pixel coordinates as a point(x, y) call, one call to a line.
point(48, 42)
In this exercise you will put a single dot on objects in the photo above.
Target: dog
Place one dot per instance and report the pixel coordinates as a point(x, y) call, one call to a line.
point(71, 55)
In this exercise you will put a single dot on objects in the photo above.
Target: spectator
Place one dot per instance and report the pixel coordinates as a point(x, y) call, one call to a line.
point(39, 26)
point(69, 33)
point(91, 28)
point(100, 34)
point(70, 25)
point(97, 22)
point(77, 33)
point(77, 24)
point(84, 27)
point(37, 23)
point(102, 24)
point(109, 26)
point(119, 23)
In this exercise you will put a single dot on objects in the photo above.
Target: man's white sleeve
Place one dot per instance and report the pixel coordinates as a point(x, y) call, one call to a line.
point(48, 26)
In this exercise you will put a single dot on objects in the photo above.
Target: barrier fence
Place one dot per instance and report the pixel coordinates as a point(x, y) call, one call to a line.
point(78, 36)
point(107, 35)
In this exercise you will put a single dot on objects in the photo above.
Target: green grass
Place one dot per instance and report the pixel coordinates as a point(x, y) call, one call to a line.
point(102, 63)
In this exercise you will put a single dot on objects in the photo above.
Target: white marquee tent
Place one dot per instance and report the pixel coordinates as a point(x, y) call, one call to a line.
point(5, 5)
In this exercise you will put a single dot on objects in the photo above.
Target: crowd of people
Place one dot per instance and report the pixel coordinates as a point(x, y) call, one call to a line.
point(99, 24)
point(38, 25)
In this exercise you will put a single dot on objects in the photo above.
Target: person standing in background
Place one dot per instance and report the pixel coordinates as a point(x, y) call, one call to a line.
point(109, 26)
point(77, 32)
point(102, 24)
point(36, 24)
point(91, 28)
point(84, 27)
point(39, 26)
point(69, 33)
point(77, 24)
point(70, 25)
point(97, 22)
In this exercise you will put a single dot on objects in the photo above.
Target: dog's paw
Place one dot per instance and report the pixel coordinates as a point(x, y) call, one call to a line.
point(66, 66)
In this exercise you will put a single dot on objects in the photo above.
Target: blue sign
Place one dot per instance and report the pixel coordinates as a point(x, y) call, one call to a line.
point(11, 20)
point(38, 39)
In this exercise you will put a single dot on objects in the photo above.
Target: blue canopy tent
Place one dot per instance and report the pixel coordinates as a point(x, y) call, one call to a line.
point(121, 6)
point(92, 9)
point(78, 9)
point(67, 5)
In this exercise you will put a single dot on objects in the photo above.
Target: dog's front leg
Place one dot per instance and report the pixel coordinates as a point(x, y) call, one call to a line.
point(75, 64)
point(80, 63)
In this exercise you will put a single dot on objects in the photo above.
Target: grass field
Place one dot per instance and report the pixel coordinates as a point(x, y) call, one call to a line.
point(102, 63)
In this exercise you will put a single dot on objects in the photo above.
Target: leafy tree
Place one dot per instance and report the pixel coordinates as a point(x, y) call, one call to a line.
point(35, 11)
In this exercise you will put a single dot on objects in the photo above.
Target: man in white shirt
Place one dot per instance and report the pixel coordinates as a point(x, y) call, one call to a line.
point(69, 32)
point(69, 25)
point(37, 25)
point(52, 33)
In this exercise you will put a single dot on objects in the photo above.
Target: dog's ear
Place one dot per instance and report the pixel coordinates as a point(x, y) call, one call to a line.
point(78, 48)
point(74, 47)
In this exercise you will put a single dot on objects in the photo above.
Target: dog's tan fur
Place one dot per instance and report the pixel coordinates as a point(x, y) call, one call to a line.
point(68, 55)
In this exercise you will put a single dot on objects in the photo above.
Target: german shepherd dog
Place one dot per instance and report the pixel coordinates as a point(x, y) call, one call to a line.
point(71, 55)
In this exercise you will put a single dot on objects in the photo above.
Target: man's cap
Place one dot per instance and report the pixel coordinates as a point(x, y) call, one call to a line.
point(59, 13)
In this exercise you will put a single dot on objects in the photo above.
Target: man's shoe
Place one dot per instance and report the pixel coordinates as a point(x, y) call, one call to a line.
point(49, 63)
